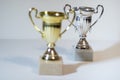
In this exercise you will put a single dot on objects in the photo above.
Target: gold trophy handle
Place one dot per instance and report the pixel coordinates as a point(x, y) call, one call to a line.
point(36, 12)
point(67, 16)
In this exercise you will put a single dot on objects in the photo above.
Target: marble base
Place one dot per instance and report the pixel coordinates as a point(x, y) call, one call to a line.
point(83, 54)
point(51, 67)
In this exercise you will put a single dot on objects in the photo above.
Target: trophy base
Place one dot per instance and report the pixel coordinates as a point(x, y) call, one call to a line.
point(83, 54)
point(51, 67)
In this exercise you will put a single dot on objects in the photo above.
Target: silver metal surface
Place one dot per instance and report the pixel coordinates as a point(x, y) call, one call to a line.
point(83, 22)
point(87, 9)
point(82, 44)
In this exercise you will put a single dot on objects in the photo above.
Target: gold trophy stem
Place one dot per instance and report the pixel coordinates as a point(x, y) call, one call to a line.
point(50, 53)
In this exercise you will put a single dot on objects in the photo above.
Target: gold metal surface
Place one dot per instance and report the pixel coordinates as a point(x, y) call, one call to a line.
point(51, 29)
point(50, 54)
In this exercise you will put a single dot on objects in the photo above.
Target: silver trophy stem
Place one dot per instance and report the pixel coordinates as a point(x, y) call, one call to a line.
point(82, 44)
point(83, 51)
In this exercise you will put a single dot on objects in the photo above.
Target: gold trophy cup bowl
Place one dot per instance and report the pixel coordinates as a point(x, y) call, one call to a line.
point(51, 30)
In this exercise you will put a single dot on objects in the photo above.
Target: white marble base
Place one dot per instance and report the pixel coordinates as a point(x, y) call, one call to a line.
point(83, 54)
point(51, 67)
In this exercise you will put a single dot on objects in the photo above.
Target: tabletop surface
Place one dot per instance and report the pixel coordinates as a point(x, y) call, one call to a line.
point(19, 60)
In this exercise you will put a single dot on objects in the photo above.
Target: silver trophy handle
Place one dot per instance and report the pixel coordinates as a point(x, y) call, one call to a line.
point(100, 14)
point(68, 9)
point(67, 12)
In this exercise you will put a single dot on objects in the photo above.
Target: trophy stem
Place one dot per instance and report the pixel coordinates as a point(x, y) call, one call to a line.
point(82, 44)
point(50, 53)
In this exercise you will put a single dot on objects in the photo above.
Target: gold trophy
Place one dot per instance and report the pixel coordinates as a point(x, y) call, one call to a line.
point(51, 31)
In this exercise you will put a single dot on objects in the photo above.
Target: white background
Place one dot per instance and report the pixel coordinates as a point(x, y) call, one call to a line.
point(19, 58)
point(15, 23)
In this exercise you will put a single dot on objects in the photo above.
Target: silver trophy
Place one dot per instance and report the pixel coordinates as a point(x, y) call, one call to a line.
point(83, 24)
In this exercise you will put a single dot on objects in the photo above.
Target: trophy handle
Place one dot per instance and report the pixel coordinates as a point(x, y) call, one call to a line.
point(100, 14)
point(36, 12)
point(67, 12)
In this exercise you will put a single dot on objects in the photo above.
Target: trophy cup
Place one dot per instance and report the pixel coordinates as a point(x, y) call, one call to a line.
point(51, 31)
point(83, 24)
